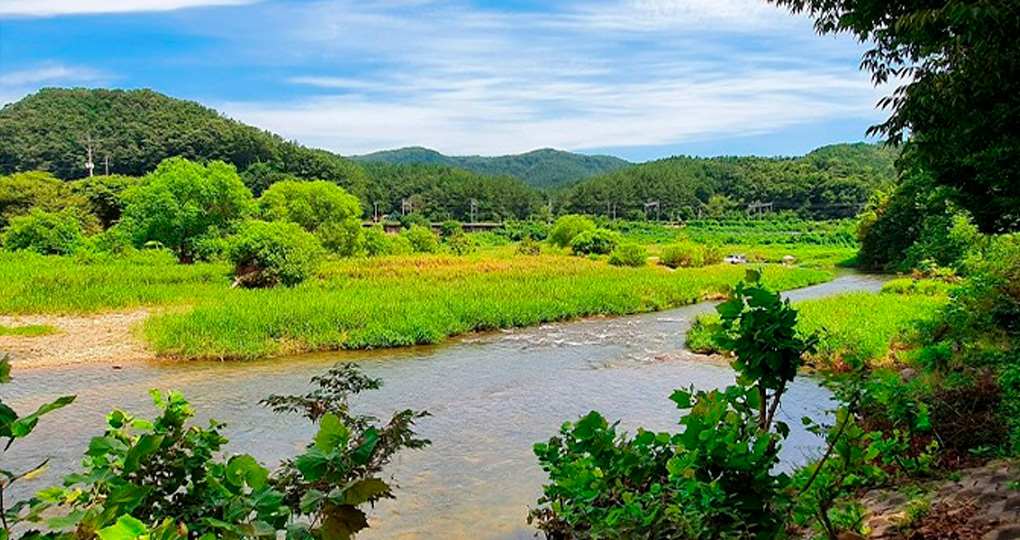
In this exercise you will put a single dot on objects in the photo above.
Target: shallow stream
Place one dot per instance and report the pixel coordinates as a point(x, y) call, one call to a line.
point(491, 396)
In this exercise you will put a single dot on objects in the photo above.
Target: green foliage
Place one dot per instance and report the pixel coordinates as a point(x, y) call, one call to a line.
point(712, 479)
point(376, 242)
point(960, 79)
point(461, 244)
point(545, 168)
point(13, 427)
point(422, 239)
point(258, 177)
point(829, 182)
point(31, 330)
point(629, 254)
point(594, 242)
point(181, 201)
point(414, 218)
point(322, 208)
point(164, 478)
point(45, 233)
point(529, 246)
point(687, 254)
point(21, 192)
point(265, 254)
point(44, 130)
point(923, 287)
point(567, 227)
point(450, 228)
point(103, 196)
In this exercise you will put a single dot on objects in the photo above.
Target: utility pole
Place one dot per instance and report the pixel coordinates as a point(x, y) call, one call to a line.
point(474, 210)
point(376, 213)
point(107, 163)
point(89, 165)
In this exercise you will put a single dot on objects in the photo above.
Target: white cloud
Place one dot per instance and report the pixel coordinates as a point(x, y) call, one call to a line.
point(52, 8)
point(16, 84)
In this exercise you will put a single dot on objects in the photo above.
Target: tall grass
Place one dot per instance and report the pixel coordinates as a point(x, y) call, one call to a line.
point(424, 299)
point(854, 327)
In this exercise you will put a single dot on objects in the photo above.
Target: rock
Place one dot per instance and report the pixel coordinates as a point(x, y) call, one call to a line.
point(1004, 533)
point(908, 374)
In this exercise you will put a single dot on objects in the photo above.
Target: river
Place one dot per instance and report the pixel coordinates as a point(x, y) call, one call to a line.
point(491, 396)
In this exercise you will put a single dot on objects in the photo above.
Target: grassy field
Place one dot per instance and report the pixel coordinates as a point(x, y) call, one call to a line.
point(398, 301)
point(853, 327)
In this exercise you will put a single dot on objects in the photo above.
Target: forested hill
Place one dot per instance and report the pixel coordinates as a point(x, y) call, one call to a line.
point(136, 129)
point(545, 168)
point(832, 181)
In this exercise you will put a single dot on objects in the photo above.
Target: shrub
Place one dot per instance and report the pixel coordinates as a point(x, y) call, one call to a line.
point(529, 246)
point(265, 254)
point(376, 242)
point(629, 255)
point(320, 207)
point(450, 228)
point(594, 242)
point(46, 233)
point(409, 220)
point(180, 201)
point(401, 245)
point(568, 227)
point(461, 244)
point(422, 239)
point(683, 255)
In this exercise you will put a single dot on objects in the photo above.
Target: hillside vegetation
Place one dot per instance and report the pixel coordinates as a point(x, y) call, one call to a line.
point(830, 182)
point(544, 168)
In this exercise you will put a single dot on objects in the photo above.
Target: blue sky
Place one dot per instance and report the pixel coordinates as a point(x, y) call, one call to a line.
point(640, 79)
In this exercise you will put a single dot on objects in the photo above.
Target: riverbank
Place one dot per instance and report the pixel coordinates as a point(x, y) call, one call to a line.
point(352, 304)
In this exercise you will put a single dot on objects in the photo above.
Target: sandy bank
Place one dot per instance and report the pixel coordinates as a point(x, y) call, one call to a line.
point(104, 338)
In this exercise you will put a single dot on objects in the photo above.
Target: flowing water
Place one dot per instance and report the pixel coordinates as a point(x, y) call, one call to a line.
point(491, 397)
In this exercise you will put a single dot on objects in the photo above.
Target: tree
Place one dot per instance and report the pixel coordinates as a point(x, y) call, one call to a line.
point(567, 227)
point(102, 196)
point(20, 192)
point(47, 233)
point(268, 254)
point(322, 208)
point(181, 201)
point(960, 105)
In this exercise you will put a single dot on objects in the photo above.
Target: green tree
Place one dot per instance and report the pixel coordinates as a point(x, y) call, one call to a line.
point(322, 208)
point(266, 254)
point(960, 104)
point(20, 192)
point(103, 196)
point(180, 201)
point(567, 227)
point(47, 233)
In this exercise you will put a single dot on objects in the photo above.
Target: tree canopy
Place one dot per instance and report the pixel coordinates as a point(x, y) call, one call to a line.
point(181, 201)
point(959, 107)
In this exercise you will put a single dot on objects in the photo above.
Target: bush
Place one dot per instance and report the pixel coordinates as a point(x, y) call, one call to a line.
point(46, 233)
point(422, 239)
point(683, 255)
point(594, 242)
point(322, 208)
point(529, 246)
point(461, 244)
point(629, 255)
point(376, 242)
point(450, 228)
point(568, 227)
point(401, 245)
point(265, 254)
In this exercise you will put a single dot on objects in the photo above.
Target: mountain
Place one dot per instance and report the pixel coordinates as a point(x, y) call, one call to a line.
point(545, 168)
point(829, 182)
point(134, 130)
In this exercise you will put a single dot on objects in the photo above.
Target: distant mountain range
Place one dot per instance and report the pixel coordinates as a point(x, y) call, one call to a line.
point(544, 168)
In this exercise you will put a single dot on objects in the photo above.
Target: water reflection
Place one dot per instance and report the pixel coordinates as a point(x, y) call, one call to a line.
point(491, 396)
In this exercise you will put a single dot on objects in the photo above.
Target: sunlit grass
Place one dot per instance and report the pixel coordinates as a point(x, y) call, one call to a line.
point(395, 301)
point(853, 327)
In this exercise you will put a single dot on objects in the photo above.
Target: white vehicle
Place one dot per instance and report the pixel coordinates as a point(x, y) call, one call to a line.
point(735, 259)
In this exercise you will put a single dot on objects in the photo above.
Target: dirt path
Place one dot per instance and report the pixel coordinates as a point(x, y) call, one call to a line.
point(106, 338)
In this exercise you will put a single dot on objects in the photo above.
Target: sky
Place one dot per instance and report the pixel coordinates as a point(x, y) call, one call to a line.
point(639, 79)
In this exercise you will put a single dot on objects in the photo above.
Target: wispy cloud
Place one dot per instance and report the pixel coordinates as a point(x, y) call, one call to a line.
point(16, 84)
point(576, 76)
point(52, 8)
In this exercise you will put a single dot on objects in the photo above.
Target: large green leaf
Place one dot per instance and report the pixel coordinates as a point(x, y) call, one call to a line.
point(126, 528)
point(341, 522)
point(332, 433)
point(363, 452)
point(244, 469)
point(146, 446)
point(364, 490)
point(24, 425)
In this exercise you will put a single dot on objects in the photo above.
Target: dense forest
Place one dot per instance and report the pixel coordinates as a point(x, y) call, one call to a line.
point(137, 129)
point(132, 131)
point(544, 168)
point(830, 182)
